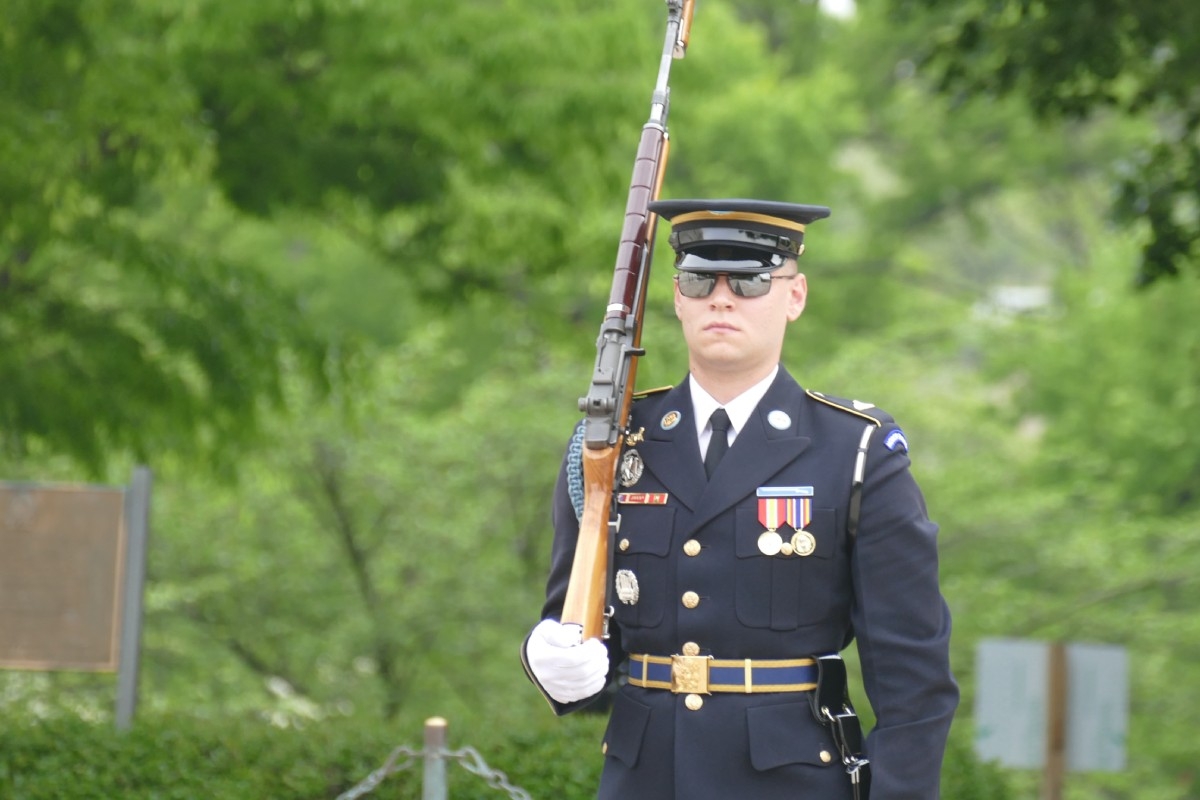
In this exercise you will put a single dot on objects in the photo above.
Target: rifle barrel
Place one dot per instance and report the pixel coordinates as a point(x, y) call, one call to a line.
point(618, 347)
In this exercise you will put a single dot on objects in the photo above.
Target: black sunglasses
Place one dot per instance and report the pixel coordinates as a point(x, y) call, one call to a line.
point(752, 284)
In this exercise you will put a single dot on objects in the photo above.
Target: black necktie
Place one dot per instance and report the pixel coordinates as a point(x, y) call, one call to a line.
point(719, 442)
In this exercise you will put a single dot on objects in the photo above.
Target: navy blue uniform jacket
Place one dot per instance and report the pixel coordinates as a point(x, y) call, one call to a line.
point(880, 589)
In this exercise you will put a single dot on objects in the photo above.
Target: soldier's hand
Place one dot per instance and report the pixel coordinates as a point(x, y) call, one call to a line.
point(567, 668)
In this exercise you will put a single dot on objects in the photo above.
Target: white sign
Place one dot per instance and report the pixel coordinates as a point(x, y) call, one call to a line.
point(1097, 707)
point(1012, 707)
point(1010, 702)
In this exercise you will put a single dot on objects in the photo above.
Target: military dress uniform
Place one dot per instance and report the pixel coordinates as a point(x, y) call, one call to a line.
point(725, 587)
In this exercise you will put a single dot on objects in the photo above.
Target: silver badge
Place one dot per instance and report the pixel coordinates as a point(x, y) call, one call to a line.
point(631, 468)
point(627, 587)
point(779, 420)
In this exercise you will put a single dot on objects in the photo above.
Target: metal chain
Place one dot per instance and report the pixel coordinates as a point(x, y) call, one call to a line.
point(494, 777)
point(389, 767)
point(467, 757)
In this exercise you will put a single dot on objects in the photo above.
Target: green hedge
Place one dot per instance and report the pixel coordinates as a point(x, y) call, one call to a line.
point(231, 759)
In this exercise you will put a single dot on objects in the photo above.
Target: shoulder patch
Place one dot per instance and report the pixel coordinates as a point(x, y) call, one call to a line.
point(644, 393)
point(896, 441)
point(856, 407)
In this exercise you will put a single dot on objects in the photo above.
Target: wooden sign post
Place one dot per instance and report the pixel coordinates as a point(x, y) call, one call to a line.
point(1054, 706)
point(1057, 693)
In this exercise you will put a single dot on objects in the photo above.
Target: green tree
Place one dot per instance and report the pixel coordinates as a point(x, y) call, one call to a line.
point(121, 327)
point(1089, 58)
point(446, 188)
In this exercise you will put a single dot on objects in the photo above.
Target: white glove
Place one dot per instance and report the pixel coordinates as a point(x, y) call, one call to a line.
point(565, 667)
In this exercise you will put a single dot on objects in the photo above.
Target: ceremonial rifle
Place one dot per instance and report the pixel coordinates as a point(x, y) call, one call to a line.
point(608, 401)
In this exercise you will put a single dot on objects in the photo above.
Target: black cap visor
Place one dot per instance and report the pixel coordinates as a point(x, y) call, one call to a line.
point(728, 259)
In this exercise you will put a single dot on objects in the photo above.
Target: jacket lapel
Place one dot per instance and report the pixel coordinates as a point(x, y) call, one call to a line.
point(760, 451)
point(672, 454)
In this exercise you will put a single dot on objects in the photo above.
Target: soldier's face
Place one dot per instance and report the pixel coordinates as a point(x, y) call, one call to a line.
point(728, 333)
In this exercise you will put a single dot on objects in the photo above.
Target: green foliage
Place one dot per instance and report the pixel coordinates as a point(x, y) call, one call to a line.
point(121, 327)
point(1089, 58)
point(1107, 548)
point(963, 775)
point(197, 199)
point(378, 525)
point(172, 759)
point(1141, 456)
point(236, 757)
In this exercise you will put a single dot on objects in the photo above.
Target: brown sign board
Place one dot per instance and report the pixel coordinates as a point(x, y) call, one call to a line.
point(62, 558)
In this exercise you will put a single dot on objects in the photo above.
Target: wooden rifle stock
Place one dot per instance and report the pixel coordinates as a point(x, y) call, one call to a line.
point(587, 594)
point(610, 396)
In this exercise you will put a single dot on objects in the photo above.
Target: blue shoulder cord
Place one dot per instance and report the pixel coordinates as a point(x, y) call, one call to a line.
point(575, 470)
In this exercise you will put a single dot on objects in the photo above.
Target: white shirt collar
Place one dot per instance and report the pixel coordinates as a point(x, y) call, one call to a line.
point(739, 408)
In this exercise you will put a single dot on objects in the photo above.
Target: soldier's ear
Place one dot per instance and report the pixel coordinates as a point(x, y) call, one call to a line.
point(797, 296)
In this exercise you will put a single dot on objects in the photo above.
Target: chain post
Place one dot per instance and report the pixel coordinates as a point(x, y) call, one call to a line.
point(434, 757)
point(434, 781)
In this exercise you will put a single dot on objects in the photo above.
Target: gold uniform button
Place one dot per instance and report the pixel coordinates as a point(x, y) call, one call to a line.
point(604, 748)
point(691, 547)
point(690, 599)
point(691, 649)
point(694, 702)
point(826, 756)
point(624, 545)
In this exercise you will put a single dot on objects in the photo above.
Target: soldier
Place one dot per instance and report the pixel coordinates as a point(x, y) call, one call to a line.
point(763, 528)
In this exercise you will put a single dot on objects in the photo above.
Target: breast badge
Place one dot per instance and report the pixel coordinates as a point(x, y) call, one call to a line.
point(627, 587)
point(631, 468)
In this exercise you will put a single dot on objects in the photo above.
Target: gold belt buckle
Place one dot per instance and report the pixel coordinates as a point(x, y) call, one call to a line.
point(689, 674)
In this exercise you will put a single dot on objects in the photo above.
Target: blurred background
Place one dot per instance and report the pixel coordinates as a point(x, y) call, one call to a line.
point(334, 270)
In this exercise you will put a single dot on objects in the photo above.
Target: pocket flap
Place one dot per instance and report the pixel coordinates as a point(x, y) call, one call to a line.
point(787, 734)
point(646, 529)
point(626, 729)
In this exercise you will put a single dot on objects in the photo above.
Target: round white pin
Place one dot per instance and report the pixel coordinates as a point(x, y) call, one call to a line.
point(779, 420)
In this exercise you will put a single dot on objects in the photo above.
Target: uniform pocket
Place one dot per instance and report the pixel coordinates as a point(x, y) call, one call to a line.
point(643, 543)
point(783, 592)
point(787, 734)
point(626, 729)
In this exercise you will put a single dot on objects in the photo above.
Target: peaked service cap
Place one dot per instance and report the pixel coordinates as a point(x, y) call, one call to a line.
point(736, 235)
